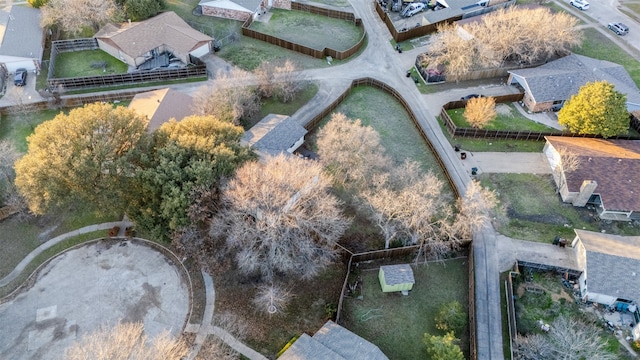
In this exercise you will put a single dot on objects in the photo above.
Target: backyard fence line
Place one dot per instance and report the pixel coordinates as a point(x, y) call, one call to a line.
point(511, 311)
point(62, 46)
point(473, 346)
point(316, 53)
point(390, 90)
point(456, 131)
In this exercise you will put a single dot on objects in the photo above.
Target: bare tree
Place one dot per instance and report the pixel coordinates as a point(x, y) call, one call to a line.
point(265, 72)
point(453, 47)
point(126, 341)
point(271, 299)
point(286, 81)
point(351, 152)
point(567, 162)
point(8, 156)
point(568, 339)
point(227, 99)
point(22, 106)
point(75, 15)
point(480, 111)
point(409, 204)
point(280, 217)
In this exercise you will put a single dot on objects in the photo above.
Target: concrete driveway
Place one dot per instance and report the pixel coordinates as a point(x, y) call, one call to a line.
point(507, 162)
point(98, 284)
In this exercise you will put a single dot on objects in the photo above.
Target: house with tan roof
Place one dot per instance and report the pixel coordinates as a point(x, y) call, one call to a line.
point(601, 173)
point(162, 105)
point(166, 33)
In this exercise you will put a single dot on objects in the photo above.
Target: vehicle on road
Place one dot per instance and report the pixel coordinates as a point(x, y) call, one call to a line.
point(413, 9)
point(618, 28)
point(20, 77)
point(471, 96)
point(580, 4)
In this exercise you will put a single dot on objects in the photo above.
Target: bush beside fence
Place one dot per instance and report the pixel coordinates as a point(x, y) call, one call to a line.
point(316, 53)
point(474, 133)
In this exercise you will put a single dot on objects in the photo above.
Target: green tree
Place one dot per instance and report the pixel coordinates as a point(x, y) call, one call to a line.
point(86, 155)
point(137, 10)
point(36, 4)
point(183, 160)
point(597, 109)
point(443, 347)
point(451, 317)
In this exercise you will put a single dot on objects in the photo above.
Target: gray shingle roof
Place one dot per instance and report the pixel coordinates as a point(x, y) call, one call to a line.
point(398, 274)
point(613, 164)
point(562, 78)
point(23, 35)
point(274, 134)
point(136, 39)
point(612, 264)
point(332, 342)
point(250, 5)
point(161, 105)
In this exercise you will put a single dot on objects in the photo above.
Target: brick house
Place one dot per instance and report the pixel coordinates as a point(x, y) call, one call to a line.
point(548, 86)
point(604, 176)
point(138, 42)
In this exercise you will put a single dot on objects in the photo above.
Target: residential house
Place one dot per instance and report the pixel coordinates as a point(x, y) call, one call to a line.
point(459, 9)
point(165, 35)
point(275, 134)
point(332, 342)
point(240, 9)
point(159, 106)
point(597, 172)
point(548, 86)
point(21, 39)
point(610, 267)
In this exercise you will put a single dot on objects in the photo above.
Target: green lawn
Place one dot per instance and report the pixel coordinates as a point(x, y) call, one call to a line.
point(87, 63)
point(598, 46)
point(533, 211)
point(217, 28)
point(508, 118)
point(296, 26)
point(396, 323)
point(498, 145)
point(16, 127)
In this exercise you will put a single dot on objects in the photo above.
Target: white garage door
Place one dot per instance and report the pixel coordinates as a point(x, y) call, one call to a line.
point(12, 63)
point(201, 51)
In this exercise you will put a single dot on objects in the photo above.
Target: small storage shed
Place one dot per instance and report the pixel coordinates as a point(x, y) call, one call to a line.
point(396, 278)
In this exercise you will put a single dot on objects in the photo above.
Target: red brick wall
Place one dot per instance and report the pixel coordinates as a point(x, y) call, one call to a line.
point(225, 13)
point(282, 4)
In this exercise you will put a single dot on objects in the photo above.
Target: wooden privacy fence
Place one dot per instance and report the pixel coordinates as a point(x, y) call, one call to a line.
point(138, 77)
point(456, 131)
point(406, 34)
point(382, 86)
point(511, 311)
point(316, 53)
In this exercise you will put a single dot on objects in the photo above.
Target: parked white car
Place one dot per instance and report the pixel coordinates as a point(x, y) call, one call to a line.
point(412, 9)
point(580, 4)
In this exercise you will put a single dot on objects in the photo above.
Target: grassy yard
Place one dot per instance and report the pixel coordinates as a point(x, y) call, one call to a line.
point(498, 145)
point(552, 302)
point(533, 211)
point(598, 46)
point(396, 323)
point(16, 127)
point(273, 106)
point(87, 63)
point(297, 26)
point(508, 118)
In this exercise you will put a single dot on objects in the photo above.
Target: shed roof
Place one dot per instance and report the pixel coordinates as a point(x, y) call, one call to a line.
point(274, 134)
point(161, 105)
point(398, 274)
point(305, 347)
point(168, 29)
point(612, 264)
point(560, 79)
point(23, 34)
point(613, 164)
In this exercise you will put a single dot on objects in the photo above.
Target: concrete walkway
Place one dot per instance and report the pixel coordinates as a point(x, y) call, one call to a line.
point(37, 251)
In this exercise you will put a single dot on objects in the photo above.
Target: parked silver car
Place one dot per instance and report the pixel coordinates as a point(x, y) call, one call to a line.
point(618, 28)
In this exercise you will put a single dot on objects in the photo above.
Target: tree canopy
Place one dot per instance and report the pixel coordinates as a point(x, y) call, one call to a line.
point(184, 160)
point(279, 217)
point(138, 10)
point(597, 109)
point(87, 155)
point(443, 347)
point(75, 15)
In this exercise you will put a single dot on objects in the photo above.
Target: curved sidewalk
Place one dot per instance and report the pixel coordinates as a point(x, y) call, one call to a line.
point(40, 249)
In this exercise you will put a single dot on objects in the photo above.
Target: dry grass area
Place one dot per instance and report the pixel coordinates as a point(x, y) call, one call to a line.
point(306, 312)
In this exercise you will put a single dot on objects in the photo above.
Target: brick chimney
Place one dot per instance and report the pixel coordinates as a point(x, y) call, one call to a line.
point(586, 190)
